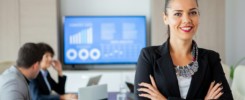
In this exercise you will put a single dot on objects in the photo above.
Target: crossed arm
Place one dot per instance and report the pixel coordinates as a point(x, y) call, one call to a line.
point(151, 91)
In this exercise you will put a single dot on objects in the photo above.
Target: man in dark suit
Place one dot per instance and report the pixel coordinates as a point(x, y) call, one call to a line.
point(14, 81)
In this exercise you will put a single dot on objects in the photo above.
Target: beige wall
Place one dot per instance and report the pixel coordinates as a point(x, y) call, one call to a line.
point(38, 21)
point(211, 33)
point(24, 21)
point(9, 29)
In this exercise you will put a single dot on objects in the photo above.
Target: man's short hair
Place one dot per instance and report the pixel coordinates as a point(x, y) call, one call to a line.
point(28, 55)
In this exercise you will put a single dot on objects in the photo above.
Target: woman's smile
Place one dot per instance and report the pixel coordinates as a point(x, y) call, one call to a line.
point(186, 29)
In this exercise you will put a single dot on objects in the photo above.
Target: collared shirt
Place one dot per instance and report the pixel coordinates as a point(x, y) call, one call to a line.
point(45, 74)
point(27, 81)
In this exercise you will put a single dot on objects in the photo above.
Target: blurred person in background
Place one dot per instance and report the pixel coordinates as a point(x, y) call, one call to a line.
point(41, 87)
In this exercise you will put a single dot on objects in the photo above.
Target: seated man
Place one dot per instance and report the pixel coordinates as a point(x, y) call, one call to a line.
point(42, 86)
point(14, 80)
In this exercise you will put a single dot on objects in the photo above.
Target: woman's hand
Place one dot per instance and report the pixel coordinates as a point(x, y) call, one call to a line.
point(214, 91)
point(57, 66)
point(151, 91)
point(68, 97)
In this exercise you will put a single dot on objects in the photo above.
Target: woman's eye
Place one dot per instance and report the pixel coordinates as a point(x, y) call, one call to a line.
point(46, 56)
point(177, 14)
point(193, 13)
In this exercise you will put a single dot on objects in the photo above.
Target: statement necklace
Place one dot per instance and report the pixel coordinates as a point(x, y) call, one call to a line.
point(189, 70)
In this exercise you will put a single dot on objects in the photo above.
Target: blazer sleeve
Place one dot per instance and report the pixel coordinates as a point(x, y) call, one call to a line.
point(49, 97)
point(57, 87)
point(219, 76)
point(12, 91)
point(143, 70)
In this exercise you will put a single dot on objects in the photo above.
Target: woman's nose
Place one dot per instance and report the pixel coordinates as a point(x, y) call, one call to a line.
point(186, 19)
point(50, 59)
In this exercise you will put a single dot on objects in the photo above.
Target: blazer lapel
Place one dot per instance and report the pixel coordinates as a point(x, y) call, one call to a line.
point(167, 71)
point(198, 77)
point(43, 84)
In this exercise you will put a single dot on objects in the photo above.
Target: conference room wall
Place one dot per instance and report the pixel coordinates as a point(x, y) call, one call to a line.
point(39, 21)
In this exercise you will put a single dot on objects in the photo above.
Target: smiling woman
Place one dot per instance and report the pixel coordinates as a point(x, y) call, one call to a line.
point(182, 18)
point(178, 69)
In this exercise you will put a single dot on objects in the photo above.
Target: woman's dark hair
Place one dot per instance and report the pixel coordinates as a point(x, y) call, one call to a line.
point(165, 12)
point(28, 55)
point(44, 47)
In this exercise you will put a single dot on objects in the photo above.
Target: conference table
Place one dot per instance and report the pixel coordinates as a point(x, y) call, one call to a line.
point(113, 96)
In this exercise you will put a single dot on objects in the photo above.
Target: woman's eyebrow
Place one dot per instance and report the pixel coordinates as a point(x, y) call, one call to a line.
point(178, 10)
point(182, 10)
point(193, 9)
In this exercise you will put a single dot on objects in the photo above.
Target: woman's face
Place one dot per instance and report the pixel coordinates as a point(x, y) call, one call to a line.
point(46, 60)
point(182, 18)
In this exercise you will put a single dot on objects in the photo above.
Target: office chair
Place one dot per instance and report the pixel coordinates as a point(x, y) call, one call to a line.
point(238, 84)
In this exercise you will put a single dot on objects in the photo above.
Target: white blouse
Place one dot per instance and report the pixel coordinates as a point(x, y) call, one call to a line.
point(184, 84)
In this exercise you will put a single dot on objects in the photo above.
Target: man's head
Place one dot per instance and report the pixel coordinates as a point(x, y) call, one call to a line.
point(28, 59)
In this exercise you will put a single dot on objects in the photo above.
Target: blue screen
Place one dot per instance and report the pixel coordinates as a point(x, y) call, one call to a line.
point(103, 39)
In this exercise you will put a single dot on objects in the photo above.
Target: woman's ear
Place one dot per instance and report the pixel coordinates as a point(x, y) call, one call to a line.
point(165, 18)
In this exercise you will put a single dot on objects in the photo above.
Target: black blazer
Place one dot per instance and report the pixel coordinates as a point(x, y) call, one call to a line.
point(39, 90)
point(156, 61)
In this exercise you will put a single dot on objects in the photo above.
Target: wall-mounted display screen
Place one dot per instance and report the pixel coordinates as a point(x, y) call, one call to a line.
point(103, 39)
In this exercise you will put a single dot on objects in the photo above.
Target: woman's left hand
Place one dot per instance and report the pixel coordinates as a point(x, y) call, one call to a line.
point(57, 66)
point(151, 90)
